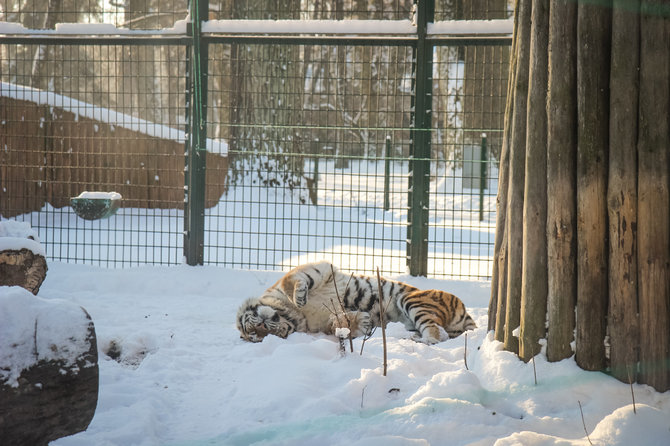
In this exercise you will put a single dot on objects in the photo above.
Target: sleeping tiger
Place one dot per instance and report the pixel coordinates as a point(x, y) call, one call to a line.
point(306, 300)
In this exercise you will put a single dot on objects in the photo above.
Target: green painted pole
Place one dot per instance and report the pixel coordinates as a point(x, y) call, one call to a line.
point(196, 156)
point(387, 174)
point(420, 145)
point(482, 176)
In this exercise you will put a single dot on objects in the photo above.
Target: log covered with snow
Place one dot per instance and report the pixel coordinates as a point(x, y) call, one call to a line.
point(22, 257)
point(48, 368)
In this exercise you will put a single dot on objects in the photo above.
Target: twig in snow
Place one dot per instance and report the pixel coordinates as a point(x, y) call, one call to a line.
point(534, 371)
point(344, 311)
point(340, 339)
point(630, 381)
point(583, 423)
point(367, 336)
point(381, 316)
point(465, 355)
point(362, 394)
point(37, 355)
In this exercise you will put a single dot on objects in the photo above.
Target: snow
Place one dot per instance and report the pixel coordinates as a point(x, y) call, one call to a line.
point(100, 195)
point(471, 27)
point(89, 29)
point(346, 27)
point(338, 27)
point(184, 377)
point(16, 235)
point(33, 329)
point(95, 112)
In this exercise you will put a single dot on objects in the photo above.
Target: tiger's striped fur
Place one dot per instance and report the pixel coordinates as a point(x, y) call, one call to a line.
point(305, 300)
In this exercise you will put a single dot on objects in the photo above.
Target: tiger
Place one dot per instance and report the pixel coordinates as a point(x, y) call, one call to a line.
point(318, 298)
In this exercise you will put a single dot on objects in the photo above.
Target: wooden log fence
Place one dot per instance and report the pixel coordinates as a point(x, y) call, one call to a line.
point(582, 253)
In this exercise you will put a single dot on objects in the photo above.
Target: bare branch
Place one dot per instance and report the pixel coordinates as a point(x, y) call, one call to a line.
point(381, 317)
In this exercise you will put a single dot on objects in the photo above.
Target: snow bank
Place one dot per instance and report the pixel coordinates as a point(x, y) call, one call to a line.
point(188, 379)
point(18, 235)
point(33, 329)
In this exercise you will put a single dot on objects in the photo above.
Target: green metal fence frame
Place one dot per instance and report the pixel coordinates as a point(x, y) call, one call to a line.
point(197, 44)
point(420, 137)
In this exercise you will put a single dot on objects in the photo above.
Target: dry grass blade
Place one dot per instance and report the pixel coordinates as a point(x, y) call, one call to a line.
point(381, 317)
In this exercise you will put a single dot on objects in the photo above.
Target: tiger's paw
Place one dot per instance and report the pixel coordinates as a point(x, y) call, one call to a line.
point(361, 324)
point(300, 294)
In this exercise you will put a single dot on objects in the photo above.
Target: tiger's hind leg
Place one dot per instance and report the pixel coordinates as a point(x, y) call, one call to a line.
point(297, 283)
point(430, 333)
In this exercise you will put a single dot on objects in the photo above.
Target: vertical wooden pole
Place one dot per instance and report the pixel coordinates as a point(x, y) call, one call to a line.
point(654, 201)
point(561, 186)
point(516, 179)
point(498, 301)
point(622, 190)
point(534, 266)
point(593, 60)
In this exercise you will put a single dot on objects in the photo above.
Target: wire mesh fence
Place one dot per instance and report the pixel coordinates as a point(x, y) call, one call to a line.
point(311, 143)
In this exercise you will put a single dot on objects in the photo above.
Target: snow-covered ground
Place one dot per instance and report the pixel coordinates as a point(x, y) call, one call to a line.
point(186, 378)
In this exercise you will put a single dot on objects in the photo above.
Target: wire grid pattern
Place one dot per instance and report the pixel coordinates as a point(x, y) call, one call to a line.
point(469, 89)
point(311, 148)
point(158, 14)
point(320, 153)
point(95, 118)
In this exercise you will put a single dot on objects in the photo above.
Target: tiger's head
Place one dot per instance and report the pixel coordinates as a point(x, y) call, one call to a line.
point(257, 318)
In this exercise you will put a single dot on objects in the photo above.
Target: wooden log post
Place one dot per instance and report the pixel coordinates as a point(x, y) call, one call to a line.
point(622, 191)
point(561, 182)
point(22, 268)
point(534, 258)
point(498, 300)
point(514, 228)
point(593, 60)
point(22, 261)
point(654, 201)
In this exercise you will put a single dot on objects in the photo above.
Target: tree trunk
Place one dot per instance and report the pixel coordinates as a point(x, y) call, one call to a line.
point(514, 217)
point(622, 191)
point(561, 162)
point(22, 268)
point(534, 258)
point(498, 301)
point(593, 43)
point(654, 202)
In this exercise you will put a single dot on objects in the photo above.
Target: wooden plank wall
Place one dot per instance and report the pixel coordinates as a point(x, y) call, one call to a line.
point(48, 155)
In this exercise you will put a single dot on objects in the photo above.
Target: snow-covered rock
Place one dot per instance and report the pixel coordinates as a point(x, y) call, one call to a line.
point(48, 368)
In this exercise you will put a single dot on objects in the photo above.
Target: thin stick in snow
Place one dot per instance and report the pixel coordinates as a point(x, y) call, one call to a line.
point(630, 381)
point(584, 423)
point(465, 355)
point(344, 311)
point(381, 316)
point(534, 371)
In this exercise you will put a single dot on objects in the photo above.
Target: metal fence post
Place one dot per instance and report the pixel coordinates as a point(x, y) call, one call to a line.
point(195, 162)
point(387, 174)
point(420, 145)
point(482, 176)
